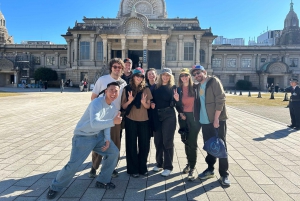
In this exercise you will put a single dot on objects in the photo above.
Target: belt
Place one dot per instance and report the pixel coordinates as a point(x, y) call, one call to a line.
point(294, 100)
point(164, 109)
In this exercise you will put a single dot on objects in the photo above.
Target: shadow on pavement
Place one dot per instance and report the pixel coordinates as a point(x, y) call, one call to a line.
point(277, 134)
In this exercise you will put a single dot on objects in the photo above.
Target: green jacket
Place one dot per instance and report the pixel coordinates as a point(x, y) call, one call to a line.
point(214, 98)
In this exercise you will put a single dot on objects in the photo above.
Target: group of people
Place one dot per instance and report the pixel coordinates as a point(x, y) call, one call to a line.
point(145, 103)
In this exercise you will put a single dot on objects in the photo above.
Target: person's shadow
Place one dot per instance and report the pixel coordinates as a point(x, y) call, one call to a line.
point(277, 134)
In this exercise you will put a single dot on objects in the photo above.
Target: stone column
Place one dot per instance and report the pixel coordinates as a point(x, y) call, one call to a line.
point(287, 59)
point(16, 79)
point(43, 59)
point(239, 62)
point(264, 82)
point(109, 51)
point(270, 57)
point(286, 80)
point(224, 60)
point(92, 47)
point(258, 61)
point(75, 50)
point(123, 44)
point(163, 50)
point(253, 61)
point(209, 54)
point(57, 59)
point(180, 50)
point(104, 39)
point(145, 47)
point(198, 40)
point(68, 51)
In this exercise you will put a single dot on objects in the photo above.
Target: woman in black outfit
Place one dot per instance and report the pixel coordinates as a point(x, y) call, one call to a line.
point(163, 102)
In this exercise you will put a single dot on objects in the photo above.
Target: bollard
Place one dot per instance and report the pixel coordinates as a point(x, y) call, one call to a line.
point(230, 92)
point(241, 93)
point(234, 92)
point(286, 97)
point(226, 91)
point(249, 94)
point(272, 95)
point(259, 95)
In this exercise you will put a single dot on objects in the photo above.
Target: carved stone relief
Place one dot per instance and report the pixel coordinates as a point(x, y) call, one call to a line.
point(277, 68)
point(149, 8)
point(134, 27)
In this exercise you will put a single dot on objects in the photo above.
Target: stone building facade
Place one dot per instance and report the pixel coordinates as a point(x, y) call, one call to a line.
point(143, 32)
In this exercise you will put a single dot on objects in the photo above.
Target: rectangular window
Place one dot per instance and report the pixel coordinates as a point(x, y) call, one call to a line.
point(216, 63)
point(63, 61)
point(84, 50)
point(231, 63)
point(171, 51)
point(231, 78)
point(293, 62)
point(247, 77)
point(50, 61)
point(36, 60)
point(99, 53)
point(188, 51)
point(246, 63)
point(263, 60)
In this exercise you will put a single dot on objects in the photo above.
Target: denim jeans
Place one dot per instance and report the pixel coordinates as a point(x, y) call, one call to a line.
point(81, 148)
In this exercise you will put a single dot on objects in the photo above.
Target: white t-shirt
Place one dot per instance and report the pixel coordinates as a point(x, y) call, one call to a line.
point(101, 84)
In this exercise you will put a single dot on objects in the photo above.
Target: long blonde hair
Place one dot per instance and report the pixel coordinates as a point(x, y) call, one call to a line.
point(170, 84)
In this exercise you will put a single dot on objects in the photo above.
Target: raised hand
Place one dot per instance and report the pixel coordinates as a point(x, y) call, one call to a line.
point(118, 118)
point(176, 95)
point(144, 99)
point(152, 105)
point(130, 97)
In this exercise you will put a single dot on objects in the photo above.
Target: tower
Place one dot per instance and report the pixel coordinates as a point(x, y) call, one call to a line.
point(4, 37)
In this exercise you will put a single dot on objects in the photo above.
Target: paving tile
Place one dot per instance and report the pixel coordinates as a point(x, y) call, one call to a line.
point(236, 192)
point(259, 197)
point(249, 185)
point(286, 185)
point(275, 193)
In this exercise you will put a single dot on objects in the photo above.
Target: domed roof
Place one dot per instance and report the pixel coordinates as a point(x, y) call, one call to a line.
point(291, 19)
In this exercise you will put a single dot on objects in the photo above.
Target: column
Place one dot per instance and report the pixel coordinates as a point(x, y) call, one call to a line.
point(239, 62)
point(145, 47)
point(109, 51)
point(57, 59)
point(253, 61)
point(269, 57)
point(287, 59)
point(163, 50)
point(224, 60)
point(104, 39)
point(16, 80)
point(180, 50)
point(75, 50)
point(209, 54)
point(258, 61)
point(123, 45)
point(42, 59)
point(92, 47)
point(286, 80)
point(198, 40)
point(68, 51)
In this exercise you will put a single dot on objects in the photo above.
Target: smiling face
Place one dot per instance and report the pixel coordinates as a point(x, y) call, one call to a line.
point(151, 75)
point(185, 78)
point(116, 70)
point(127, 67)
point(138, 78)
point(111, 93)
point(165, 78)
point(199, 75)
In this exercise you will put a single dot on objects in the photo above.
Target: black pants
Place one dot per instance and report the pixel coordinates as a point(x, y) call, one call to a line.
point(164, 142)
point(208, 131)
point(295, 113)
point(137, 146)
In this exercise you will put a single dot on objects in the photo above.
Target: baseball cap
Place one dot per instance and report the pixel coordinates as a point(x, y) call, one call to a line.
point(197, 67)
point(127, 60)
point(166, 70)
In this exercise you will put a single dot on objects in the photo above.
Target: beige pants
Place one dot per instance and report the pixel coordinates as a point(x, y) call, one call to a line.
point(115, 137)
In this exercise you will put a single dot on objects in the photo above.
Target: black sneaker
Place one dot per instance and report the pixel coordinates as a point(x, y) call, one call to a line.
point(186, 169)
point(206, 174)
point(51, 194)
point(105, 186)
point(115, 174)
point(92, 173)
point(225, 181)
point(191, 176)
point(135, 175)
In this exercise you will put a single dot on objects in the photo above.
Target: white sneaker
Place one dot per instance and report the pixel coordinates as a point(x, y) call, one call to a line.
point(156, 169)
point(166, 173)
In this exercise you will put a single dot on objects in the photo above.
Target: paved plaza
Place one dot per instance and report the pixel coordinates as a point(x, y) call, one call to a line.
point(35, 142)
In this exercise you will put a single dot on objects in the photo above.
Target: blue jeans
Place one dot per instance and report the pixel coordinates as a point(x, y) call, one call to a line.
point(81, 148)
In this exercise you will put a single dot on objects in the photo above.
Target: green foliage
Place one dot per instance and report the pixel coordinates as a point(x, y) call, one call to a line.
point(243, 85)
point(45, 74)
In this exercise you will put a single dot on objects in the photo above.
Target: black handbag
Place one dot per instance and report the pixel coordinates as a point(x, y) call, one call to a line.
point(215, 146)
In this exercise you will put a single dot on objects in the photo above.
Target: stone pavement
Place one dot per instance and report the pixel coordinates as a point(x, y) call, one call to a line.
point(35, 139)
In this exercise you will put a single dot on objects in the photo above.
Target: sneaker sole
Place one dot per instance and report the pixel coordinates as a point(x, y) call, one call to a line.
point(92, 175)
point(157, 170)
point(207, 177)
point(191, 178)
point(224, 184)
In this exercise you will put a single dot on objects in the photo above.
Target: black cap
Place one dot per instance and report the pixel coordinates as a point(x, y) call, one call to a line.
point(127, 60)
point(293, 80)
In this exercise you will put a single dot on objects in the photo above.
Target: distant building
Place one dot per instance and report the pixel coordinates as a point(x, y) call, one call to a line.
point(37, 42)
point(220, 40)
point(4, 37)
point(268, 38)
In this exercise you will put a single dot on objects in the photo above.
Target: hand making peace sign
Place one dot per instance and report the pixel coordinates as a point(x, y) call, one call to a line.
point(130, 97)
point(176, 95)
point(144, 99)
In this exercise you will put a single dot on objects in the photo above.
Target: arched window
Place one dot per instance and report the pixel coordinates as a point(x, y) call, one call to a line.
point(202, 56)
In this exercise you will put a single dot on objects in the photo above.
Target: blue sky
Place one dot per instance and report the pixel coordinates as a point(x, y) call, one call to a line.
point(48, 19)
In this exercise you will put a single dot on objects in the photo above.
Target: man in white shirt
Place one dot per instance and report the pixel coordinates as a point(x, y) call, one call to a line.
point(116, 67)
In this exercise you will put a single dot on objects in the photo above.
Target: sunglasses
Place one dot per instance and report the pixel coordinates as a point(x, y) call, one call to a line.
point(197, 73)
point(140, 75)
point(115, 67)
point(184, 75)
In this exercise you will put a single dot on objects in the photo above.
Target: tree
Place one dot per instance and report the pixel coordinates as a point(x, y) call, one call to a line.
point(45, 74)
point(243, 85)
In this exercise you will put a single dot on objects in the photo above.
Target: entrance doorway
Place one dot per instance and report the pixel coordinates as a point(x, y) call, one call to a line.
point(270, 80)
point(116, 54)
point(154, 59)
point(12, 79)
point(134, 56)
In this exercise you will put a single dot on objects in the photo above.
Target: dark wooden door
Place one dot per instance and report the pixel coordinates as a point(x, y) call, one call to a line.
point(154, 59)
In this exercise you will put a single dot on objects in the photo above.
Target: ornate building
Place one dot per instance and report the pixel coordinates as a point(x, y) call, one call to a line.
point(143, 32)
